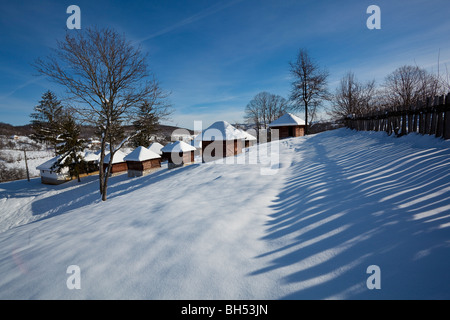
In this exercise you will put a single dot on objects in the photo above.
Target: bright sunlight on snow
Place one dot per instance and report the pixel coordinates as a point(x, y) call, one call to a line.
point(340, 201)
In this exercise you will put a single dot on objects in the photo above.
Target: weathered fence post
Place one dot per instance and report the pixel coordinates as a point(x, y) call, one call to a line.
point(421, 118)
point(410, 119)
point(415, 117)
point(388, 123)
point(439, 123)
point(439, 117)
point(427, 116)
point(446, 120)
point(403, 118)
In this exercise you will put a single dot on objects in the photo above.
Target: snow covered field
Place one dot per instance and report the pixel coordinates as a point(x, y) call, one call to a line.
point(339, 202)
point(15, 157)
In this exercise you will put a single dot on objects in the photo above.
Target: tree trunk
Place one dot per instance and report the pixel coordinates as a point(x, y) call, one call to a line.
point(306, 118)
point(107, 172)
point(104, 186)
point(101, 173)
point(77, 167)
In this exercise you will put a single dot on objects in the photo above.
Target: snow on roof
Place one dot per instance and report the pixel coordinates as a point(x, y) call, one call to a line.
point(118, 157)
point(221, 130)
point(141, 154)
point(178, 146)
point(91, 156)
point(47, 165)
point(247, 136)
point(156, 147)
point(87, 156)
point(287, 119)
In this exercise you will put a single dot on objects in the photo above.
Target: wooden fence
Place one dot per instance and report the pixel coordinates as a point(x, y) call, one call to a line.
point(430, 117)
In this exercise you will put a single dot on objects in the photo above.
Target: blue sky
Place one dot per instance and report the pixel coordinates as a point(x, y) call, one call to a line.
point(215, 56)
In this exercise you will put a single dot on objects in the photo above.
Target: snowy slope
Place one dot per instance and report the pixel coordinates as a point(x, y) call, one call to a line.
point(339, 202)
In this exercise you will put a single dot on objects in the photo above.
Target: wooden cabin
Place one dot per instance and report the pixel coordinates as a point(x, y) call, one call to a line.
point(178, 154)
point(289, 125)
point(249, 140)
point(142, 161)
point(221, 140)
point(119, 165)
point(49, 173)
point(91, 162)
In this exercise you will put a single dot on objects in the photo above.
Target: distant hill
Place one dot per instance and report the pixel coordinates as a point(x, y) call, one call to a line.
point(87, 132)
point(8, 129)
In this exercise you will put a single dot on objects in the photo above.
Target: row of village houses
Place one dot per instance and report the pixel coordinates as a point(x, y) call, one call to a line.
point(219, 140)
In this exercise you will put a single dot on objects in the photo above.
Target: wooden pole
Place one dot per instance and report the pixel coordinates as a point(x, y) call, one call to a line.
point(446, 120)
point(26, 164)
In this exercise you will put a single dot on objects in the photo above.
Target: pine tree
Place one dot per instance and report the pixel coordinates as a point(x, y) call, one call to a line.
point(145, 125)
point(71, 147)
point(46, 120)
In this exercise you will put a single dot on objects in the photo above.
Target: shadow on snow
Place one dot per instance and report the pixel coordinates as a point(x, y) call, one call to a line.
point(350, 204)
point(80, 194)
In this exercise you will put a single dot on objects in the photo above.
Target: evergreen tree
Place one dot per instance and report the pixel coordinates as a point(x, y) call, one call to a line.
point(71, 147)
point(145, 125)
point(46, 120)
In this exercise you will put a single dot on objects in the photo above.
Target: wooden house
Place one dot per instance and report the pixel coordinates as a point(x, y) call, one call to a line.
point(91, 162)
point(119, 165)
point(221, 140)
point(50, 174)
point(289, 125)
point(178, 153)
point(141, 161)
point(249, 140)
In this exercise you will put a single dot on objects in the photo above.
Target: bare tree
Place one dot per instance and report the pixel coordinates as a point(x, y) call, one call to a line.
point(309, 87)
point(352, 97)
point(108, 77)
point(277, 107)
point(264, 108)
point(407, 85)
